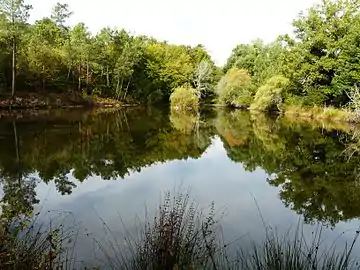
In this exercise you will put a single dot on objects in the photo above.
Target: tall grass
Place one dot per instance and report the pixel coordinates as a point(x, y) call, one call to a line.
point(35, 245)
point(319, 113)
point(178, 237)
point(294, 252)
point(182, 237)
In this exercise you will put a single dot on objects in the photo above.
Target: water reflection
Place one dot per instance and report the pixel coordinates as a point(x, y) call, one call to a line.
point(310, 165)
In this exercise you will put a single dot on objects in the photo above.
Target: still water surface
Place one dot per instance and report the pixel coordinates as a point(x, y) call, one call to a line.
point(106, 166)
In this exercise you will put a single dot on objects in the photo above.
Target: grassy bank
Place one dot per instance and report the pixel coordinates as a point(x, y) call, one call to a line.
point(55, 100)
point(320, 113)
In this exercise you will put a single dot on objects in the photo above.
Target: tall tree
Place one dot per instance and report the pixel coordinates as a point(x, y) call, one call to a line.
point(42, 51)
point(60, 14)
point(202, 77)
point(79, 44)
point(16, 14)
point(324, 50)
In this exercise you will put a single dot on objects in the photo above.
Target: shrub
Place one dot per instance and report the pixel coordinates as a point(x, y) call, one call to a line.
point(184, 98)
point(269, 97)
point(235, 88)
point(27, 244)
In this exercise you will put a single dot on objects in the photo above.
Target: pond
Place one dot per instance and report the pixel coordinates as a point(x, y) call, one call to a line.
point(100, 170)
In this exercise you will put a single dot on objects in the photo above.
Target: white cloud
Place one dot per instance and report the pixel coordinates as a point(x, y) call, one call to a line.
point(219, 25)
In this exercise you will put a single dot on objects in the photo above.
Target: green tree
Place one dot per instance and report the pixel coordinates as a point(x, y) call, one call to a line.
point(322, 51)
point(16, 14)
point(261, 60)
point(270, 96)
point(42, 51)
point(60, 14)
point(235, 88)
point(184, 98)
point(79, 44)
point(113, 63)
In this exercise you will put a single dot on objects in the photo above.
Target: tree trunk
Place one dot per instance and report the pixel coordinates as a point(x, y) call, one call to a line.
point(79, 86)
point(117, 87)
point(107, 77)
point(44, 80)
point(127, 87)
point(68, 75)
point(87, 76)
point(13, 67)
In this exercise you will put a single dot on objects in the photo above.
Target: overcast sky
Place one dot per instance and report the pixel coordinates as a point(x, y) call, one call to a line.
point(218, 24)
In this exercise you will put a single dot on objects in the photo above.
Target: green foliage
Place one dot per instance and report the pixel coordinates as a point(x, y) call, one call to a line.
point(235, 88)
point(320, 58)
point(261, 60)
point(184, 98)
point(60, 13)
point(53, 57)
point(325, 50)
point(269, 97)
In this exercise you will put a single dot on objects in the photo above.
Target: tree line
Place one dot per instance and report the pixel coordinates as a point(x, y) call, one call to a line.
point(318, 64)
point(49, 56)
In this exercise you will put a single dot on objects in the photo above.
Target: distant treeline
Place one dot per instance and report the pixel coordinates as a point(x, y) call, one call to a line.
point(318, 64)
point(50, 56)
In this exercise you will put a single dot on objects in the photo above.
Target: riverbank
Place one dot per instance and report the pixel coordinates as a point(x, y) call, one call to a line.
point(321, 113)
point(24, 100)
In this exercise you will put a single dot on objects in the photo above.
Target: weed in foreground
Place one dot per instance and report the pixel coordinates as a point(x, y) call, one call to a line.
point(182, 237)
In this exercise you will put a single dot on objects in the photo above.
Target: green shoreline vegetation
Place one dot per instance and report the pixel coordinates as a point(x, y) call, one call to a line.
point(316, 66)
point(312, 72)
point(50, 58)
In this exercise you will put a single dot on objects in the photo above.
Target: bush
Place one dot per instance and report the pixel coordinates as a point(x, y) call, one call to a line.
point(28, 244)
point(184, 98)
point(269, 97)
point(235, 88)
